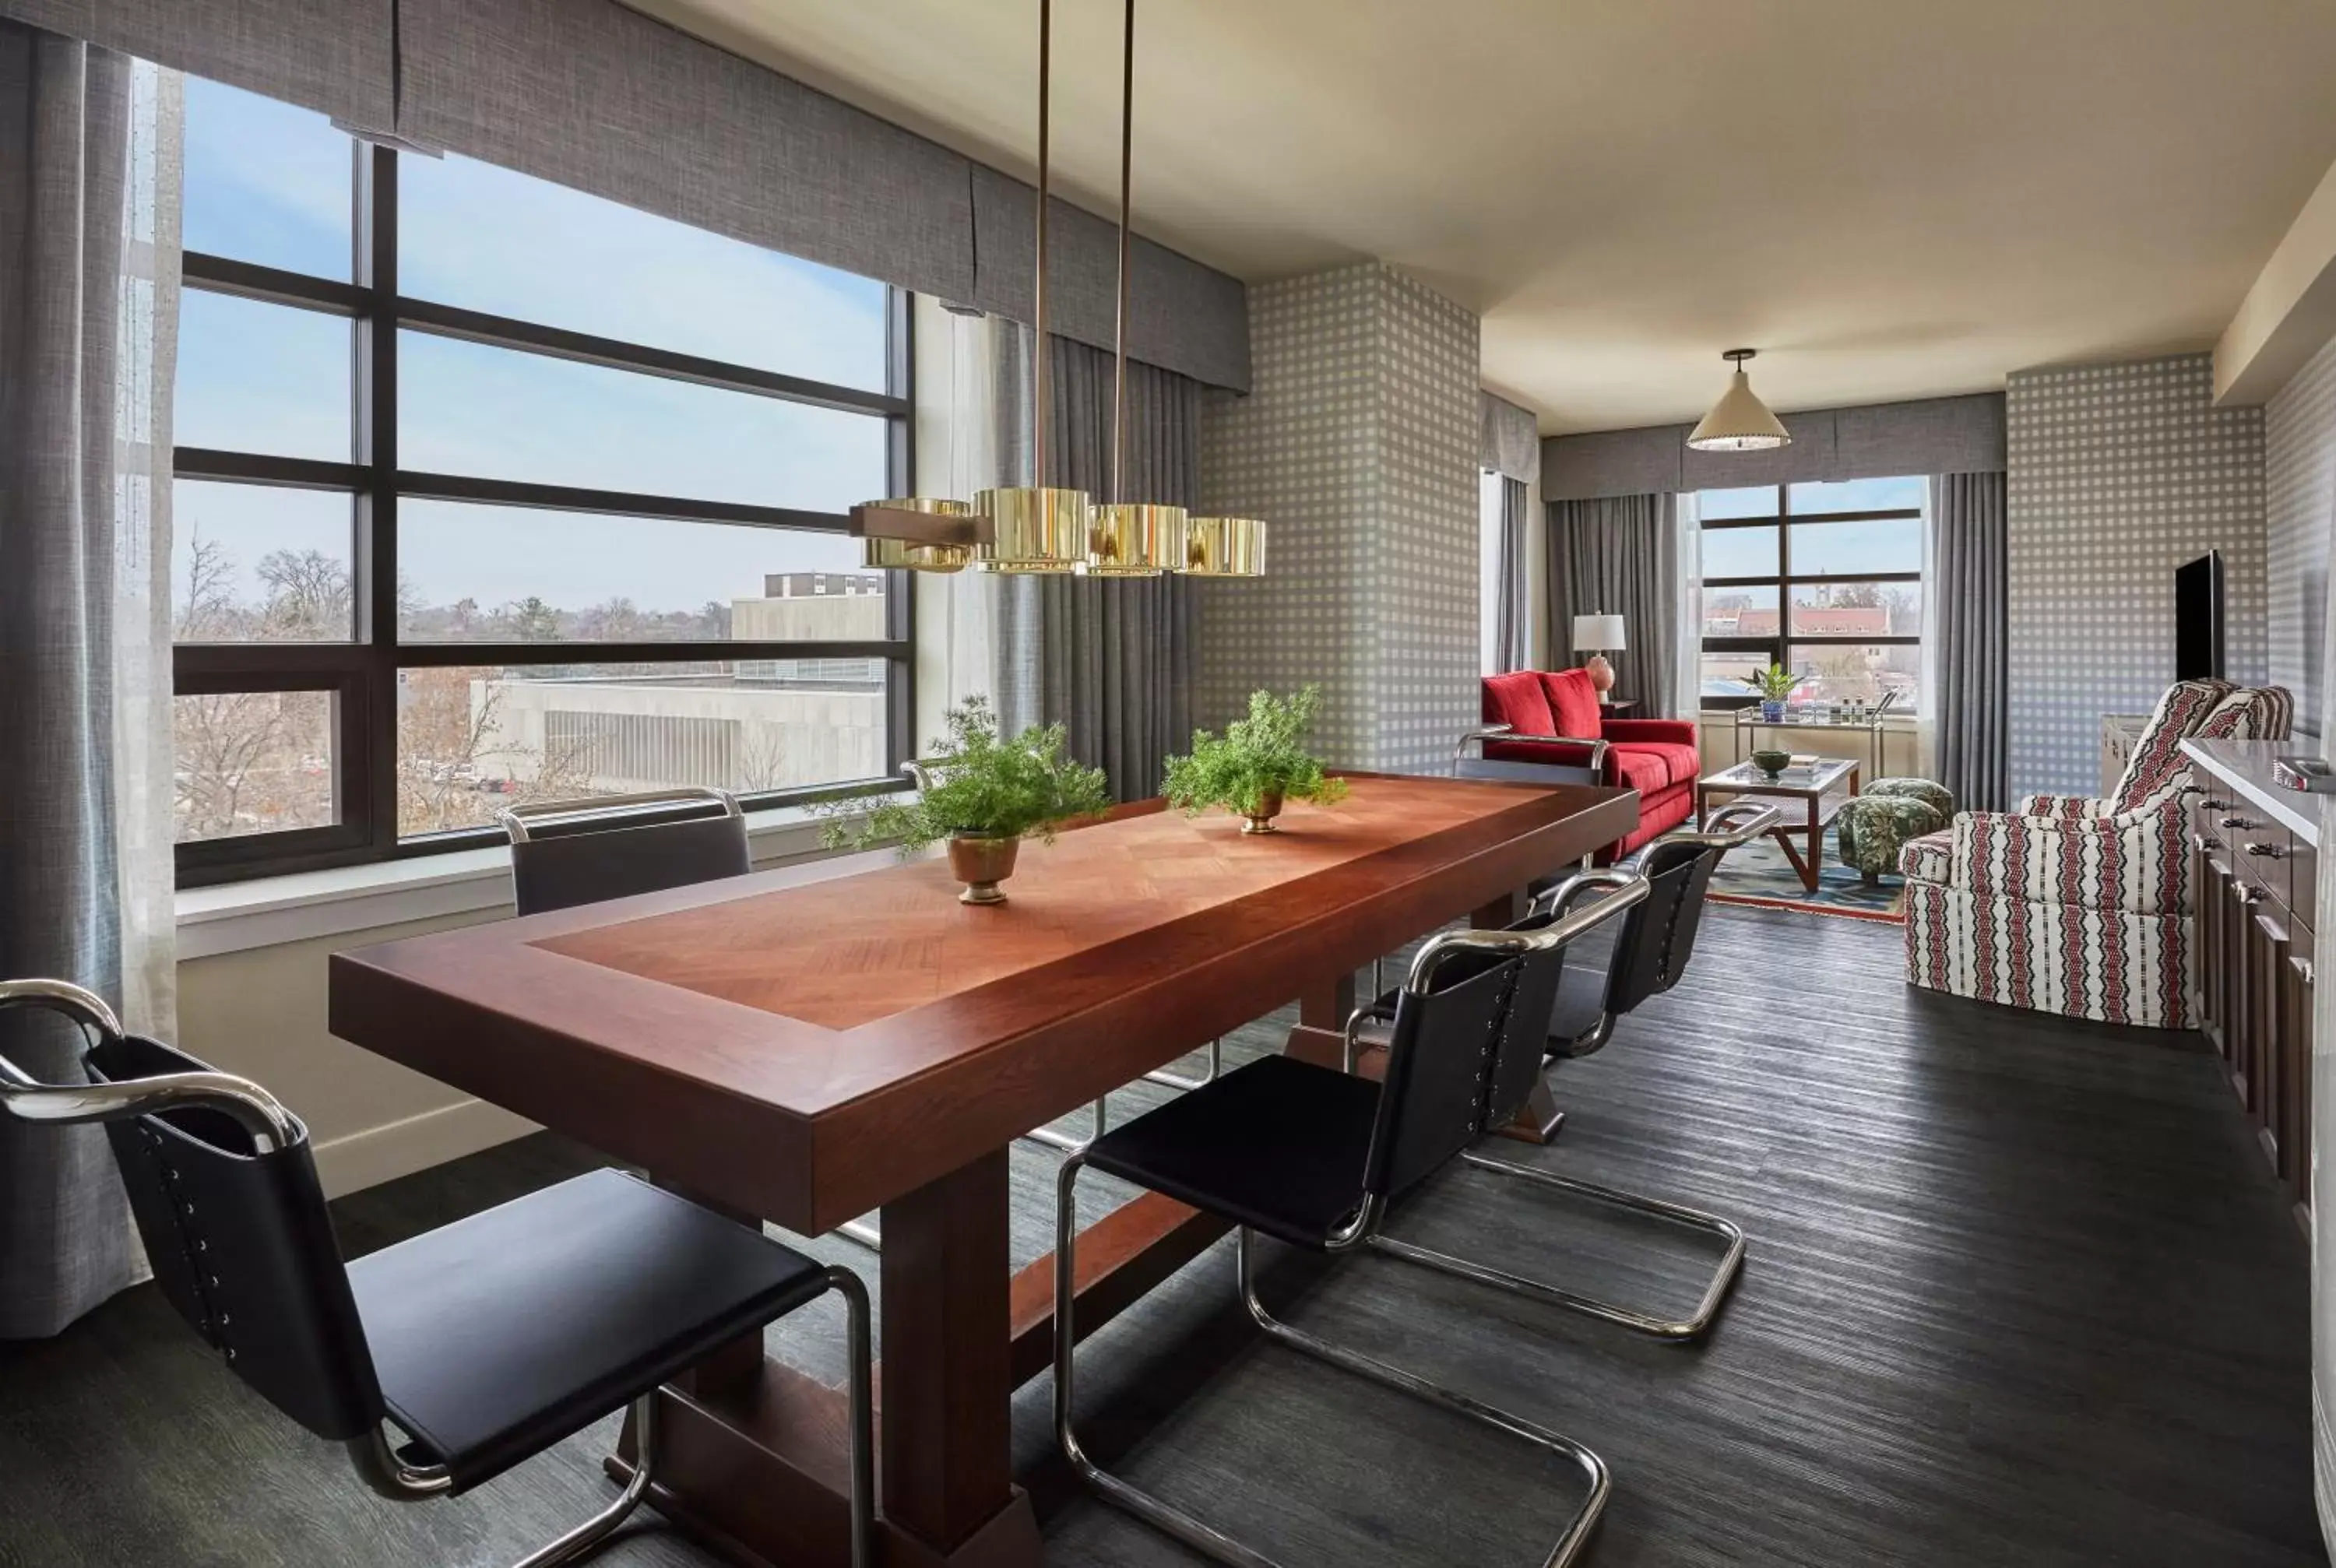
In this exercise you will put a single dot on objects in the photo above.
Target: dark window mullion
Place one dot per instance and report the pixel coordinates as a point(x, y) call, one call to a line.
point(527, 654)
point(584, 348)
point(274, 286)
point(377, 510)
point(610, 503)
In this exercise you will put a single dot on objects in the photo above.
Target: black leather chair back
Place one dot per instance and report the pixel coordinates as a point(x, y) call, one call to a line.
point(1523, 1048)
point(560, 868)
point(1440, 1058)
point(1658, 937)
point(241, 1244)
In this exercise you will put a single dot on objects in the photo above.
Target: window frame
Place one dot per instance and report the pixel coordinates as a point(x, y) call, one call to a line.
point(1786, 580)
point(363, 671)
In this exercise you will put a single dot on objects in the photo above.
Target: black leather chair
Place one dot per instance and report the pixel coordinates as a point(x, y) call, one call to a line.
point(1645, 955)
point(586, 851)
point(1580, 990)
point(484, 1342)
point(1315, 1158)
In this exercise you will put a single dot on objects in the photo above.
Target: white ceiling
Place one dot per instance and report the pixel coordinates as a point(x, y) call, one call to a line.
point(1889, 199)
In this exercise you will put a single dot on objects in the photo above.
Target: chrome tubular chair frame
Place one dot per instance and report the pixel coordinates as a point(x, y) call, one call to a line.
point(1743, 823)
point(1468, 757)
point(1690, 1327)
point(522, 821)
point(1205, 1538)
point(1356, 1231)
point(254, 1110)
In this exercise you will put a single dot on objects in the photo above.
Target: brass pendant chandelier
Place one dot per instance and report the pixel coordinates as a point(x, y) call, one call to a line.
point(1126, 538)
point(1037, 527)
point(1042, 528)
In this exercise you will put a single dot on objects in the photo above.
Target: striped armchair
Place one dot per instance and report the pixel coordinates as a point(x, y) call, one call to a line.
point(2080, 906)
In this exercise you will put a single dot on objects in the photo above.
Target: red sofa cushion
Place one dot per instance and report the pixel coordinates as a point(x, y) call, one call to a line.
point(1572, 704)
point(1641, 768)
point(1680, 763)
point(1517, 700)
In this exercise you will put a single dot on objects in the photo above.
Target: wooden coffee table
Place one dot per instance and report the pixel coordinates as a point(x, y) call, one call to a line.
point(1821, 789)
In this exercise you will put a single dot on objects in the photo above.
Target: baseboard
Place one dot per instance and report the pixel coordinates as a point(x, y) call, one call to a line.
point(356, 1161)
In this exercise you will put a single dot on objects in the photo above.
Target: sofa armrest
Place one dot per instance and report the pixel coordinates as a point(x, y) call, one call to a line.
point(1673, 731)
point(2136, 863)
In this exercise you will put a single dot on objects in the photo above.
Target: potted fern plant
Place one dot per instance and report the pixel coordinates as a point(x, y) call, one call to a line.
point(1257, 765)
point(980, 793)
point(1775, 683)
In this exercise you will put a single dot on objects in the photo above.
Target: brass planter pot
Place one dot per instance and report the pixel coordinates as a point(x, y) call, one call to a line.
point(1261, 820)
point(981, 863)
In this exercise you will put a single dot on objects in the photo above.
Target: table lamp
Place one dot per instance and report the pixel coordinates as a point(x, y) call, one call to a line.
point(1597, 634)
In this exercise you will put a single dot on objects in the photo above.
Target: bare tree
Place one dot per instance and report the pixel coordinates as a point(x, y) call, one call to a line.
point(309, 597)
point(207, 607)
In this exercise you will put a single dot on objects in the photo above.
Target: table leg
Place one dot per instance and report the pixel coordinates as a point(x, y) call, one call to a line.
point(1327, 1004)
point(1501, 913)
point(946, 1436)
point(753, 1461)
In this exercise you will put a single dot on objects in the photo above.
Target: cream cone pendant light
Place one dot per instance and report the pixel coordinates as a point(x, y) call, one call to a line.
point(1739, 422)
point(1037, 527)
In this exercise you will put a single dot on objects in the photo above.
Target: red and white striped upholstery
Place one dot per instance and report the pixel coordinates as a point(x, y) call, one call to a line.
point(2080, 906)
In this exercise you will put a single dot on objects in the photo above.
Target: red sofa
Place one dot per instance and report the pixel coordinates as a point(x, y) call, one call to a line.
point(1553, 716)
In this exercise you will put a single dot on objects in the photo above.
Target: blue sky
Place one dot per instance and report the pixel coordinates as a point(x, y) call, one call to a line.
point(270, 183)
point(1873, 545)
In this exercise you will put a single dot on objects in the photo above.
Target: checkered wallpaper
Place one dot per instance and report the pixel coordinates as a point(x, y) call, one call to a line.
point(1359, 445)
point(2300, 476)
point(2118, 474)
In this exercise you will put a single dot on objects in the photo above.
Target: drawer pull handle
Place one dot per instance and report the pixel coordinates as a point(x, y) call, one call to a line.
point(2241, 823)
point(2269, 851)
point(2215, 805)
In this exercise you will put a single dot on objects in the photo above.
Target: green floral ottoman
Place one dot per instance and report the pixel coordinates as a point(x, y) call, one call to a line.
point(1921, 789)
point(1875, 826)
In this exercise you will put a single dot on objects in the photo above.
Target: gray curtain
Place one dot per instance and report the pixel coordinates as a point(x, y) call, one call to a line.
point(66, 1243)
point(1512, 640)
point(1966, 603)
point(1111, 659)
point(1619, 555)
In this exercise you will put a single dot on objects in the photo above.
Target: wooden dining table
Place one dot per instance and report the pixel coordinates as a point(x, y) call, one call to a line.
point(803, 1045)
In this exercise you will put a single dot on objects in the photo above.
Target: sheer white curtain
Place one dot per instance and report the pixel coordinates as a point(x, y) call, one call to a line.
point(957, 455)
point(88, 313)
point(1687, 700)
point(1926, 707)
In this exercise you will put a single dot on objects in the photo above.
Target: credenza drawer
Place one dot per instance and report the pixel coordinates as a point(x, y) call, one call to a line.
point(2303, 883)
point(2260, 850)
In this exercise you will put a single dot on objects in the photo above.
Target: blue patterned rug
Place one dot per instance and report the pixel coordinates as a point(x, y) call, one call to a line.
point(1758, 873)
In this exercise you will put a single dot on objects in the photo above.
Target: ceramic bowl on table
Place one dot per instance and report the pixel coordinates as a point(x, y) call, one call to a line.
point(1772, 763)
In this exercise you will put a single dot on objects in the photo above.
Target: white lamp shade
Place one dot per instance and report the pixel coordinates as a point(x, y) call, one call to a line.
point(1739, 422)
point(1598, 634)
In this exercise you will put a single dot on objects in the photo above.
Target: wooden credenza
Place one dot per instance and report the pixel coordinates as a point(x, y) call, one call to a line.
point(2254, 849)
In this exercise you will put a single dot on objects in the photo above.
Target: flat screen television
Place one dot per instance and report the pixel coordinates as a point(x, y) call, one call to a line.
point(2199, 619)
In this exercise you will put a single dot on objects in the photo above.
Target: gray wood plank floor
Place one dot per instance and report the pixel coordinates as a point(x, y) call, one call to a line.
point(2020, 1291)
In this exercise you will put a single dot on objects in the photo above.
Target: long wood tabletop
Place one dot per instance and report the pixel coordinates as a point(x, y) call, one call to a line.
point(806, 1044)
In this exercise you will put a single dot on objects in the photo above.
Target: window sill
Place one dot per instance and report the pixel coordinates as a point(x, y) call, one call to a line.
point(269, 912)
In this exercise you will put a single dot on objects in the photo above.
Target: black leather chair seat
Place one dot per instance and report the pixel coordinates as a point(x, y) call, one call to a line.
point(1277, 1146)
point(503, 1333)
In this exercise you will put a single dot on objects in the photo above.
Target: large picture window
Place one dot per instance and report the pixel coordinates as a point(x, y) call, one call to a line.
point(488, 491)
point(1823, 577)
